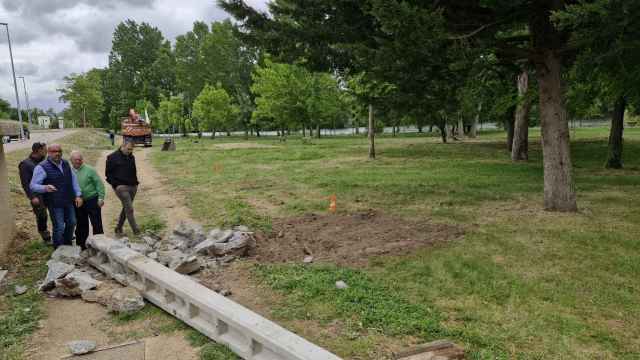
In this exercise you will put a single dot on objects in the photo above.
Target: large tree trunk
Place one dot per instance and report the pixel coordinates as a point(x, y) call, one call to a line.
point(474, 125)
point(318, 131)
point(520, 148)
point(372, 134)
point(559, 191)
point(304, 131)
point(614, 160)
point(443, 131)
point(509, 125)
point(460, 127)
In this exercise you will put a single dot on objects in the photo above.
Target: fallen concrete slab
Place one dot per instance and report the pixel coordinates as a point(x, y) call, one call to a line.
point(246, 333)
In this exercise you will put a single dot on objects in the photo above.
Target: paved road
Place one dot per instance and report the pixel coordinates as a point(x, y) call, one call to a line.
point(47, 137)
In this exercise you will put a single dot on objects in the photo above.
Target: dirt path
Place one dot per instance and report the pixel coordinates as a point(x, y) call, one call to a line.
point(74, 319)
point(155, 195)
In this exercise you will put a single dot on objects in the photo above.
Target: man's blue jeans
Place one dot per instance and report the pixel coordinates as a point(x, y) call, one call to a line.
point(64, 222)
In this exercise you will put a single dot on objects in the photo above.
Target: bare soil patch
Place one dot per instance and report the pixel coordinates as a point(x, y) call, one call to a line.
point(348, 239)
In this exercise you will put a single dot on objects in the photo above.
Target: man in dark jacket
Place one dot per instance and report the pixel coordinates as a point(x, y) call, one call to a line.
point(26, 167)
point(122, 175)
point(59, 185)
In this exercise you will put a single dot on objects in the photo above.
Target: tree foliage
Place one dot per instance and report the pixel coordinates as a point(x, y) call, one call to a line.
point(213, 109)
point(83, 92)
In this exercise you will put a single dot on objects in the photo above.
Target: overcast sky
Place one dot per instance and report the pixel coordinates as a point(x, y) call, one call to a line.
point(53, 38)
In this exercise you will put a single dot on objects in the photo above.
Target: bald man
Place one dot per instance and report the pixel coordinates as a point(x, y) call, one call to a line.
point(93, 193)
point(61, 192)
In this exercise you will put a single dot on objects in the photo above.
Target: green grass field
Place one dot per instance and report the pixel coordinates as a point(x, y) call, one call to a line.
point(522, 283)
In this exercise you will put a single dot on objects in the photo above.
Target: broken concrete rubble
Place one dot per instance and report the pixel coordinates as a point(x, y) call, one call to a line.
point(56, 271)
point(67, 254)
point(151, 241)
point(219, 236)
point(81, 347)
point(20, 289)
point(238, 245)
point(185, 265)
point(141, 248)
point(125, 301)
point(190, 234)
point(75, 283)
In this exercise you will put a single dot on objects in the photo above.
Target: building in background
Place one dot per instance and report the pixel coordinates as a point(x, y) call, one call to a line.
point(44, 121)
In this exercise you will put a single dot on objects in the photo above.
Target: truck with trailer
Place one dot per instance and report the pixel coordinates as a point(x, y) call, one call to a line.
point(10, 131)
point(136, 129)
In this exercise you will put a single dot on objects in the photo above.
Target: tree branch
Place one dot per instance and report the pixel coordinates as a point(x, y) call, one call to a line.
point(474, 32)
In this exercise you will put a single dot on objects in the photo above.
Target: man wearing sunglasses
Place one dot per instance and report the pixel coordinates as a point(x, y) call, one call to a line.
point(61, 192)
point(26, 167)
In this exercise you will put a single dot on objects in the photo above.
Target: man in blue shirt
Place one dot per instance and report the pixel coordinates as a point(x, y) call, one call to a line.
point(59, 185)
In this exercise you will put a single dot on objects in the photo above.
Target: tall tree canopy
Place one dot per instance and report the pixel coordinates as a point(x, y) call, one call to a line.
point(83, 92)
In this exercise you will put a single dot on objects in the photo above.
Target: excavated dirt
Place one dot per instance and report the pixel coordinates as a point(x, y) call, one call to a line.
point(347, 239)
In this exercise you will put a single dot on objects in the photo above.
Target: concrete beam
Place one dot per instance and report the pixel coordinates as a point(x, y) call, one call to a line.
point(246, 333)
point(7, 216)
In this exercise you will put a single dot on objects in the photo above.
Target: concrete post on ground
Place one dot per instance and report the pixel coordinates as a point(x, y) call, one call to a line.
point(7, 219)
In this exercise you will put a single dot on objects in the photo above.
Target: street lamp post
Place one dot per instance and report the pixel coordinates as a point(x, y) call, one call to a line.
point(26, 97)
point(15, 82)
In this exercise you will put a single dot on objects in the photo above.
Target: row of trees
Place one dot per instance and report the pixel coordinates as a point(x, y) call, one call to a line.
point(447, 61)
point(443, 63)
point(210, 80)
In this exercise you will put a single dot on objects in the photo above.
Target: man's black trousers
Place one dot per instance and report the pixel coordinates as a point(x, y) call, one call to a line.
point(89, 211)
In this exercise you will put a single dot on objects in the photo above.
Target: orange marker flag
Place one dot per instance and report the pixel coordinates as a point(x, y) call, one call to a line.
point(332, 203)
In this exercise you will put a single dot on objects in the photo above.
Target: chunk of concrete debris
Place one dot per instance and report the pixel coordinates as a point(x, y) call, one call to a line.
point(100, 296)
point(151, 241)
point(153, 255)
point(125, 301)
point(238, 245)
point(67, 254)
point(307, 259)
point(190, 231)
point(227, 259)
point(20, 289)
point(75, 283)
point(341, 285)
point(185, 265)
point(142, 248)
point(81, 347)
point(167, 257)
point(219, 236)
point(56, 271)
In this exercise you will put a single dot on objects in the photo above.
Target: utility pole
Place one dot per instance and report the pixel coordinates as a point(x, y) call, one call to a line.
point(15, 82)
point(26, 96)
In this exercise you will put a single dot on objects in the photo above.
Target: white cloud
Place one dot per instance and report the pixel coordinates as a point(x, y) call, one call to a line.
point(53, 38)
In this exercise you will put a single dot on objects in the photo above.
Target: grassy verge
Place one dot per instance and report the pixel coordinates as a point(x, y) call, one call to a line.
point(523, 283)
point(20, 315)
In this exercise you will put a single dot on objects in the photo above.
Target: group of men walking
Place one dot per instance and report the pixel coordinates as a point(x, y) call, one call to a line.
point(73, 193)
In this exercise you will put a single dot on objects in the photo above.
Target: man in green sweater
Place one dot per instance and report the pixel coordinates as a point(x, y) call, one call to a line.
point(93, 194)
